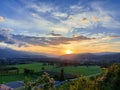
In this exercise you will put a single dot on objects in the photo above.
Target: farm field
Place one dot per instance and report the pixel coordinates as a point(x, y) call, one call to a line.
point(79, 70)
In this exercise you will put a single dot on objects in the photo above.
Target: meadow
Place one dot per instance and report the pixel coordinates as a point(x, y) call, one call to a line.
point(78, 70)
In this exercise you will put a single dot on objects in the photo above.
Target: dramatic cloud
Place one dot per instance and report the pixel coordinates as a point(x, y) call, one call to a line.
point(45, 24)
point(5, 36)
point(45, 17)
point(47, 41)
point(22, 40)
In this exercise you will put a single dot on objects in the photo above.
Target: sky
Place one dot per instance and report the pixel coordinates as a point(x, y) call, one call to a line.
point(56, 26)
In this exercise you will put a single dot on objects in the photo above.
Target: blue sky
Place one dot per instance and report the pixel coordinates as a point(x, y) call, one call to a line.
point(73, 22)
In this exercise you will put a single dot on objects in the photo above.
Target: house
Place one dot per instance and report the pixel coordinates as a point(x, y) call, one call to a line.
point(15, 85)
point(4, 87)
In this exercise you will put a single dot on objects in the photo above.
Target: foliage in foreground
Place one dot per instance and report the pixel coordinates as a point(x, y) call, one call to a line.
point(82, 83)
point(44, 82)
point(109, 80)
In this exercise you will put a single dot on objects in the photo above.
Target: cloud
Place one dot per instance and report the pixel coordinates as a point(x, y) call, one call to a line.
point(95, 19)
point(114, 36)
point(44, 17)
point(5, 36)
point(34, 19)
point(54, 34)
point(80, 19)
point(66, 40)
point(84, 20)
point(40, 7)
point(92, 18)
point(1, 18)
point(74, 7)
point(48, 41)
point(60, 15)
point(108, 23)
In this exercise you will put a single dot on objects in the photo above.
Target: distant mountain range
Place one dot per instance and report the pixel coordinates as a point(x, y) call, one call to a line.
point(10, 53)
point(93, 57)
point(84, 57)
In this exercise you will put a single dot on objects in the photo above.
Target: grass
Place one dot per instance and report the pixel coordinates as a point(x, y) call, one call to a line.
point(34, 66)
point(79, 70)
point(15, 77)
point(8, 78)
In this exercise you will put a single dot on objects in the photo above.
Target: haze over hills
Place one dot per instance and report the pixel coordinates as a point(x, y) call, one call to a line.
point(10, 53)
point(94, 57)
point(84, 57)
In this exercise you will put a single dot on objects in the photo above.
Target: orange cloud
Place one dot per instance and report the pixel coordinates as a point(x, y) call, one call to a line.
point(95, 19)
point(92, 46)
point(77, 46)
point(1, 18)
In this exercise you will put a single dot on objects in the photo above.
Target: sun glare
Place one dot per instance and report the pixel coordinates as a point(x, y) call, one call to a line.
point(68, 52)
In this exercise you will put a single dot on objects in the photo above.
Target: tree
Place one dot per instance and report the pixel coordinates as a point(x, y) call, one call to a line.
point(62, 75)
point(26, 83)
point(111, 80)
point(42, 68)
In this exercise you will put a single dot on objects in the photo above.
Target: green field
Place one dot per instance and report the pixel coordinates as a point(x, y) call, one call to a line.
point(8, 78)
point(79, 70)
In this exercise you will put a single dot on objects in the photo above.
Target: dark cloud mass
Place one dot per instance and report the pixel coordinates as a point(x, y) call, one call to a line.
point(114, 36)
point(46, 41)
point(6, 37)
point(54, 34)
point(22, 40)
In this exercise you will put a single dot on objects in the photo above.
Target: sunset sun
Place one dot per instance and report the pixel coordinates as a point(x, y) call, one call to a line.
point(68, 52)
